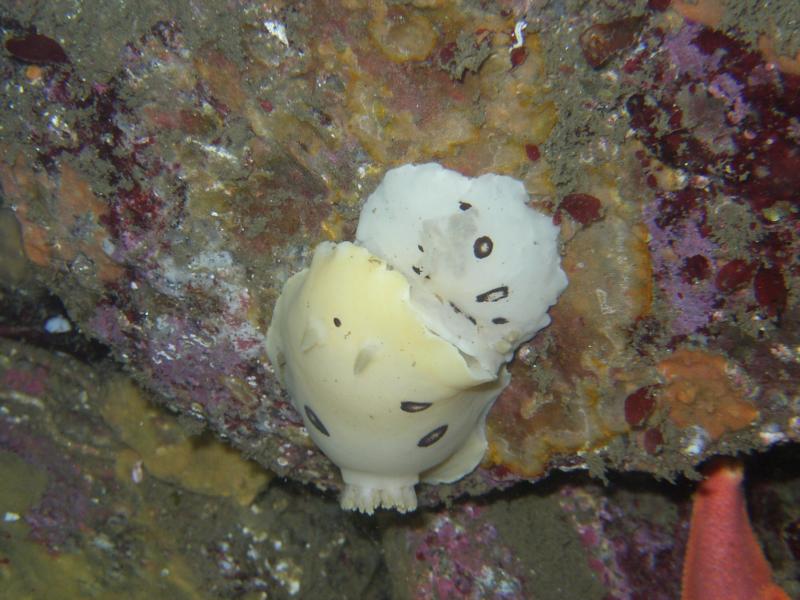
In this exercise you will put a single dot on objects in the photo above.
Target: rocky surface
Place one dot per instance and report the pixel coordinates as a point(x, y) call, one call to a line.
point(171, 173)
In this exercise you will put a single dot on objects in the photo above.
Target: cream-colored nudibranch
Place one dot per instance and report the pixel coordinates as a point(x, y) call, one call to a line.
point(393, 347)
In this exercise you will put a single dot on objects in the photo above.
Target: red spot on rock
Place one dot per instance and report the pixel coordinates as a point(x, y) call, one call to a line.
point(770, 290)
point(643, 112)
point(448, 53)
point(653, 440)
point(133, 208)
point(774, 245)
point(696, 268)
point(267, 106)
point(734, 275)
point(675, 120)
point(584, 208)
point(36, 48)
point(675, 207)
point(518, 56)
point(501, 473)
point(602, 40)
point(532, 150)
point(658, 5)
point(639, 405)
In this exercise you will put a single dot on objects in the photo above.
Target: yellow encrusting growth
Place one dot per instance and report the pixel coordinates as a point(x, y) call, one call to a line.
point(200, 464)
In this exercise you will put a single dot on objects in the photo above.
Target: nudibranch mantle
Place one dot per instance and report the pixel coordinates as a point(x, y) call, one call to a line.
point(393, 348)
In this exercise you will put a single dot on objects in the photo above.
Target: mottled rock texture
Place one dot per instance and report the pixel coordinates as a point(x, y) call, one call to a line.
point(167, 192)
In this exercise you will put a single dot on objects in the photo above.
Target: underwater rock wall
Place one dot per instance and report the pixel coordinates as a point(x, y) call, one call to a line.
point(169, 176)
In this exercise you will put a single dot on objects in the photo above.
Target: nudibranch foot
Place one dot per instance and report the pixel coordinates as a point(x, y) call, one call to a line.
point(365, 492)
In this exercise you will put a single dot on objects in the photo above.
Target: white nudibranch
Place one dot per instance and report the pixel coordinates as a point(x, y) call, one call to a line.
point(393, 348)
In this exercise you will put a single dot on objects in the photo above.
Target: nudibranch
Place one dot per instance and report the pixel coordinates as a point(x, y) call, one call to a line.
point(393, 348)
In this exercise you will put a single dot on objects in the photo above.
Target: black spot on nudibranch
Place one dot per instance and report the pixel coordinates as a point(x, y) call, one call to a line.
point(433, 437)
point(337, 321)
point(421, 249)
point(458, 311)
point(498, 293)
point(312, 416)
point(417, 270)
point(464, 205)
point(483, 246)
point(499, 320)
point(413, 407)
